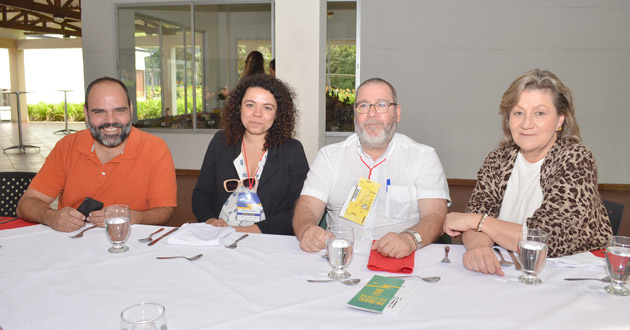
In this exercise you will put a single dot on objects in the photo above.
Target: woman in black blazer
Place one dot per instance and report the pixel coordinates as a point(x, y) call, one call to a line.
point(253, 170)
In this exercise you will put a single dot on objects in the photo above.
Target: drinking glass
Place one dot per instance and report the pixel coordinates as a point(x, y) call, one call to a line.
point(143, 316)
point(617, 264)
point(117, 227)
point(339, 244)
point(532, 252)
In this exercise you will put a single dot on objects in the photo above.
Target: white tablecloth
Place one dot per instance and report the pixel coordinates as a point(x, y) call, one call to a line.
point(49, 281)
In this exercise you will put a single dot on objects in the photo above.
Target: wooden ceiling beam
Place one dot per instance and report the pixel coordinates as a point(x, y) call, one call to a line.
point(66, 10)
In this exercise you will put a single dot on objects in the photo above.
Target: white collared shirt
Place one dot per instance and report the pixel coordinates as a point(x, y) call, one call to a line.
point(414, 172)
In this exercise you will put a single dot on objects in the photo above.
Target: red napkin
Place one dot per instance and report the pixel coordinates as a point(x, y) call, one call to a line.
point(380, 262)
point(15, 223)
point(598, 253)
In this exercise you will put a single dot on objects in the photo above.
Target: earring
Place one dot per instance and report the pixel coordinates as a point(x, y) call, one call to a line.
point(559, 129)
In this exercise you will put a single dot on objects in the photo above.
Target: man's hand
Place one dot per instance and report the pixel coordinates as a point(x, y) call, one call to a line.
point(483, 260)
point(217, 222)
point(313, 239)
point(67, 219)
point(395, 245)
point(97, 217)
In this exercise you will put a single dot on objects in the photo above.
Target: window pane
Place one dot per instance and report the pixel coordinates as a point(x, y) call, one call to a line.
point(340, 66)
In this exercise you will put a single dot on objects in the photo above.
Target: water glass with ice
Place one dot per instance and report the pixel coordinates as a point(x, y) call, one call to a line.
point(339, 245)
point(618, 265)
point(532, 252)
point(117, 227)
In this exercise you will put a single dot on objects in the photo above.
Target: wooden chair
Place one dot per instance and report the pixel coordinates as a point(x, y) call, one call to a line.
point(615, 210)
point(12, 187)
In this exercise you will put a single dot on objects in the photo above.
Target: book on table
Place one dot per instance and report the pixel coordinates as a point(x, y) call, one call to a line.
point(383, 294)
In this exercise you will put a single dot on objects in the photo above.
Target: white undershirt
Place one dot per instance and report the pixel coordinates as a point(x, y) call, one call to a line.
point(523, 195)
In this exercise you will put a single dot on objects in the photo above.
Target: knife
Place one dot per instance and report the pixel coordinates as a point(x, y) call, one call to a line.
point(517, 265)
point(159, 238)
point(5, 221)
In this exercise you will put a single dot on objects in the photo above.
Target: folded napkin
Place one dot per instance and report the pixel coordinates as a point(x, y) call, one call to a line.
point(599, 253)
point(580, 260)
point(15, 223)
point(199, 234)
point(380, 262)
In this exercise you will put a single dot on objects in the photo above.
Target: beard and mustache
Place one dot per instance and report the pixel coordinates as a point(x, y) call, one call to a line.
point(107, 139)
point(381, 140)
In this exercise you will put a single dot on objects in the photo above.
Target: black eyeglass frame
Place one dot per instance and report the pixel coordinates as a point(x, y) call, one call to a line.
point(370, 105)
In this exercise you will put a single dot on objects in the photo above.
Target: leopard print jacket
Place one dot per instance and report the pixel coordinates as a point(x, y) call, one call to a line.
point(572, 212)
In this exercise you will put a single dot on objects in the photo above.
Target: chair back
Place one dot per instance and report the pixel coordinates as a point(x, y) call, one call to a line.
point(615, 211)
point(12, 187)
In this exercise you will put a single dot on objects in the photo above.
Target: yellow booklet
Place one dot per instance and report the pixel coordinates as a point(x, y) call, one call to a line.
point(360, 201)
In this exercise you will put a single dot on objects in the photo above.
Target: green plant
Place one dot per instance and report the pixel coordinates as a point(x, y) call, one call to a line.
point(43, 111)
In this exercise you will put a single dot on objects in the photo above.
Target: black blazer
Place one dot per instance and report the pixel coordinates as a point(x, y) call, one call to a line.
point(279, 186)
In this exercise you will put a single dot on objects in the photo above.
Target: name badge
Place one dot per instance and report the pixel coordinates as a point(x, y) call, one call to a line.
point(248, 207)
point(360, 201)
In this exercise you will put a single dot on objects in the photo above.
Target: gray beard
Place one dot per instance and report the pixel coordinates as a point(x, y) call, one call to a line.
point(380, 141)
point(109, 140)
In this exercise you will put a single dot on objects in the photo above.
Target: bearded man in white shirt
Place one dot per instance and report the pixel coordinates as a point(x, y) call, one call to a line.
point(408, 205)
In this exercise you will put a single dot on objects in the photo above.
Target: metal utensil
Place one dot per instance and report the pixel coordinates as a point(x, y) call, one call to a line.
point(430, 279)
point(159, 238)
point(517, 264)
point(350, 281)
point(233, 245)
point(150, 238)
point(605, 279)
point(503, 262)
point(80, 234)
point(184, 257)
point(446, 260)
point(5, 221)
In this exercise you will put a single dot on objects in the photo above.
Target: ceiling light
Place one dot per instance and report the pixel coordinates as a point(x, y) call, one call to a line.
point(59, 18)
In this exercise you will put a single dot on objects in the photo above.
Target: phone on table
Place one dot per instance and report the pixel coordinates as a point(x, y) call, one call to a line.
point(88, 205)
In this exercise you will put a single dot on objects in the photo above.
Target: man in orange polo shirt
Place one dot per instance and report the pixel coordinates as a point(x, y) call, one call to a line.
point(111, 161)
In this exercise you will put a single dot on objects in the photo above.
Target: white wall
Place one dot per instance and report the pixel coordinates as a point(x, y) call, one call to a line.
point(451, 61)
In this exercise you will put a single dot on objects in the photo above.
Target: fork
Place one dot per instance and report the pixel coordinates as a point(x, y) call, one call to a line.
point(80, 234)
point(233, 245)
point(446, 260)
point(184, 257)
point(503, 262)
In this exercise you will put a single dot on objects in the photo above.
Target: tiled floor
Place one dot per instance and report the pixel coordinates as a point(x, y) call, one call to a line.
point(37, 134)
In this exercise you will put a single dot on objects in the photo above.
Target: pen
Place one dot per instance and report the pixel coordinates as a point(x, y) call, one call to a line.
point(389, 182)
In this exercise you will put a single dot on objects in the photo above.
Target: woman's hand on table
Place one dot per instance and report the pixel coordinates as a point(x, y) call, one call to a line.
point(217, 222)
point(483, 260)
point(457, 223)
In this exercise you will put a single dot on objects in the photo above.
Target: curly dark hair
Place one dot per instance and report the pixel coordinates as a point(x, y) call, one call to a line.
point(283, 126)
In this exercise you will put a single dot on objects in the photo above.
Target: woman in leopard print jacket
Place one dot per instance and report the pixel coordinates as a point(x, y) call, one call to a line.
point(541, 177)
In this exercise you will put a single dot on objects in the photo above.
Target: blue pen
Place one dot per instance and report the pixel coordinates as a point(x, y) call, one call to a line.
point(389, 182)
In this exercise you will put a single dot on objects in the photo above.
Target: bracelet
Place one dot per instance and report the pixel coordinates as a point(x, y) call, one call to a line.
point(483, 218)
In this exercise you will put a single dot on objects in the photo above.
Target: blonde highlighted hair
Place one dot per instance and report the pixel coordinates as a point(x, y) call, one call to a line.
point(561, 95)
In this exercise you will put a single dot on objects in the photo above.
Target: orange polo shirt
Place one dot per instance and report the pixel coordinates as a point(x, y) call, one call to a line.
point(143, 176)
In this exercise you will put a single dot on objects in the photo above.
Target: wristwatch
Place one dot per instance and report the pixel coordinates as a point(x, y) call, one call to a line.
point(416, 237)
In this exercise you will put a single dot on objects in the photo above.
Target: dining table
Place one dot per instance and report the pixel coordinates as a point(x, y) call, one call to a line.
point(51, 281)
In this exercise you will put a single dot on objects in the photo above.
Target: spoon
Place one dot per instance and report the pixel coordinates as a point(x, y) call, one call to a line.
point(80, 234)
point(430, 279)
point(503, 262)
point(605, 279)
point(233, 245)
point(150, 238)
point(188, 258)
point(350, 281)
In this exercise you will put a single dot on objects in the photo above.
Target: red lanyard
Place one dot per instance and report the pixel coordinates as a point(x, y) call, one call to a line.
point(251, 184)
point(371, 168)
